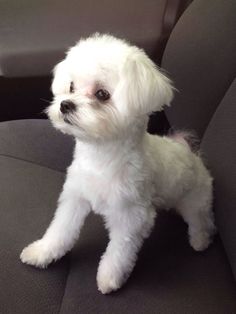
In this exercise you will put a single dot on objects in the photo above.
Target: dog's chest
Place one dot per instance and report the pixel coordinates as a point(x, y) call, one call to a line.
point(100, 185)
point(110, 178)
point(96, 185)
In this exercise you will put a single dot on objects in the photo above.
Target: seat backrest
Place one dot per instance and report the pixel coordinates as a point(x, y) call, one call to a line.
point(31, 44)
point(201, 58)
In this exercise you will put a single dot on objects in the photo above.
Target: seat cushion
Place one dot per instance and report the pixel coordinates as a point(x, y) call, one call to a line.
point(36, 141)
point(28, 196)
point(169, 276)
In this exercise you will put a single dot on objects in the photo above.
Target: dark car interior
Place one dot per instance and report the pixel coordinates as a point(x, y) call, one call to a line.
point(194, 41)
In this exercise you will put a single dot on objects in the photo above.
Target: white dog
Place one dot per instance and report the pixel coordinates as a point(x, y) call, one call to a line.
point(104, 91)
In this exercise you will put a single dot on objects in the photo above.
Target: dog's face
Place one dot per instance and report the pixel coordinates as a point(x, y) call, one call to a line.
point(103, 87)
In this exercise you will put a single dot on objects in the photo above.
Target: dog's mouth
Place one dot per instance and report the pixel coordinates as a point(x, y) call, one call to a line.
point(67, 119)
point(70, 120)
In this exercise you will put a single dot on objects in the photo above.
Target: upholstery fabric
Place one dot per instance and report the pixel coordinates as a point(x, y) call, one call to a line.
point(219, 146)
point(169, 276)
point(200, 58)
point(28, 196)
point(36, 141)
point(32, 50)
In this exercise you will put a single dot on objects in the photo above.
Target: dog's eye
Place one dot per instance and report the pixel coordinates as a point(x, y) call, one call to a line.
point(72, 88)
point(102, 95)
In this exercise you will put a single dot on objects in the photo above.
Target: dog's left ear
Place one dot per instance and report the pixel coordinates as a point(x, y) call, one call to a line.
point(147, 89)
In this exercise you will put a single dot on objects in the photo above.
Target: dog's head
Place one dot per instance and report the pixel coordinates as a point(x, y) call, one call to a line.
point(104, 86)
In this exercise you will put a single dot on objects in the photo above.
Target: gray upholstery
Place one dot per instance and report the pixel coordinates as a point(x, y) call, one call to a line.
point(168, 278)
point(200, 58)
point(46, 146)
point(219, 145)
point(35, 34)
point(169, 275)
point(200, 55)
point(28, 196)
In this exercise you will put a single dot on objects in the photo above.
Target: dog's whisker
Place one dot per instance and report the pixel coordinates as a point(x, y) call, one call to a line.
point(45, 100)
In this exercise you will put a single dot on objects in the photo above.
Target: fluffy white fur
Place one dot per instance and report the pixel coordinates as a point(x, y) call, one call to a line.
point(119, 170)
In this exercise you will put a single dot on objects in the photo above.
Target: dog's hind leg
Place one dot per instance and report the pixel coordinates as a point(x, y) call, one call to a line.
point(196, 210)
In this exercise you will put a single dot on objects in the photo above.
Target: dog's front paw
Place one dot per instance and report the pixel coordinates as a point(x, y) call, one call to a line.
point(107, 283)
point(108, 278)
point(37, 254)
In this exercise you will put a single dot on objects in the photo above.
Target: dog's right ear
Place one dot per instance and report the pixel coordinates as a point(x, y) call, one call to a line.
point(61, 79)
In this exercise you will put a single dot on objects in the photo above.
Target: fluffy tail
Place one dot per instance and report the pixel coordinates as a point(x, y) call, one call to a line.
point(186, 138)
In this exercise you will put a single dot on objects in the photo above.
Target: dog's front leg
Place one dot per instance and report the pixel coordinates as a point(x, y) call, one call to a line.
point(61, 233)
point(126, 232)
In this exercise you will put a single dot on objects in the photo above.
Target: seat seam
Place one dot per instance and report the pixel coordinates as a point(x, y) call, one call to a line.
point(216, 108)
point(65, 286)
point(31, 162)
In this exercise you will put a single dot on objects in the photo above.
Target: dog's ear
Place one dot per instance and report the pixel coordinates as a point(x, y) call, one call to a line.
point(147, 89)
point(61, 79)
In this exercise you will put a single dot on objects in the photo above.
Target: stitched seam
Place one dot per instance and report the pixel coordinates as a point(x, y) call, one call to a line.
point(216, 109)
point(31, 162)
point(65, 286)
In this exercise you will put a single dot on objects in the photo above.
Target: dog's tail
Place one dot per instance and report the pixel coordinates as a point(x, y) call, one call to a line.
point(187, 138)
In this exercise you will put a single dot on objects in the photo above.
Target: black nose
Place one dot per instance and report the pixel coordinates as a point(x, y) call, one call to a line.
point(67, 106)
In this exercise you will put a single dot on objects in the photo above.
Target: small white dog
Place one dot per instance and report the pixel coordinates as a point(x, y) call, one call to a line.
point(104, 91)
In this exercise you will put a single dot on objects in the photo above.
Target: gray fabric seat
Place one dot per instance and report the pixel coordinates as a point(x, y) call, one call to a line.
point(169, 276)
point(34, 36)
point(204, 70)
point(28, 194)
